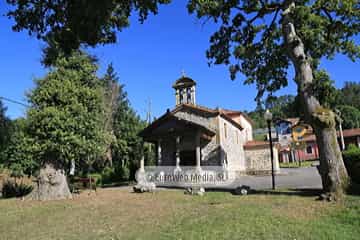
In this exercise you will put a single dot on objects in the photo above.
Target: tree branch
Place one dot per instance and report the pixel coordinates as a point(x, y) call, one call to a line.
point(267, 31)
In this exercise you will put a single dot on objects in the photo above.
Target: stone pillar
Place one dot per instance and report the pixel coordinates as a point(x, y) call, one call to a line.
point(177, 96)
point(159, 152)
point(184, 95)
point(198, 150)
point(177, 157)
point(142, 164)
point(193, 95)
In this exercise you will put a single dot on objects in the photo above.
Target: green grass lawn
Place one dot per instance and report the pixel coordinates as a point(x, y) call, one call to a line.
point(119, 214)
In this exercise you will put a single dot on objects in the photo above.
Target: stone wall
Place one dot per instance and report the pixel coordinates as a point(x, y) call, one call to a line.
point(231, 142)
point(207, 122)
point(211, 153)
point(258, 160)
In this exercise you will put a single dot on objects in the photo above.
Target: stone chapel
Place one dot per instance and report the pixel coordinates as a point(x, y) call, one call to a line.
point(194, 135)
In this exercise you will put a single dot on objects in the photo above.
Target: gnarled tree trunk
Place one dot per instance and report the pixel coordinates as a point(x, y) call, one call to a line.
point(332, 170)
point(51, 184)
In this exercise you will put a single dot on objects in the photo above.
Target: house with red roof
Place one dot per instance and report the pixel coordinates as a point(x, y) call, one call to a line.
point(308, 148)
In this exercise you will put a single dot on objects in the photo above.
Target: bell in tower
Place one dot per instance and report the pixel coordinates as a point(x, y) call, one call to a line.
point(185, 90)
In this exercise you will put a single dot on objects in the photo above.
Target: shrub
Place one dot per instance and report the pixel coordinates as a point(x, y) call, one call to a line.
point(97, 177)
point(109, 175)
point(13, 189)
point(352, 162)
point(123, 172)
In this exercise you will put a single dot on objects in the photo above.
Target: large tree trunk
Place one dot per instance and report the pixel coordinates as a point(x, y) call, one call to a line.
point(51, 184)
point(332, 170)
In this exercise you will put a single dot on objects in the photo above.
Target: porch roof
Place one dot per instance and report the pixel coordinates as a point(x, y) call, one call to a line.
point(170, 124)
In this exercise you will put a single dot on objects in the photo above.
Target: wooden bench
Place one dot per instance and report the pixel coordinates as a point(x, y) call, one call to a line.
point(83, 182)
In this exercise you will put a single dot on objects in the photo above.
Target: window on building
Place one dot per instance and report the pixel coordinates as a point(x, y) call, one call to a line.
point(309, 150)
point(181, 96)
point(225, 130)
point(237, 137)
point(188, 95)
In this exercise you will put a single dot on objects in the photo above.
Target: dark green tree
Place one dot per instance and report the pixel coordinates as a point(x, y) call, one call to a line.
point(4, 131)
point(324, 89)
point(125, 149)
point(66, 25)
point(350, 116)
point(21, 150)
point(66, 120)
point(350, 94)
point(281, 106)
point(111, 96)
point(127, 124)
point(261, 39)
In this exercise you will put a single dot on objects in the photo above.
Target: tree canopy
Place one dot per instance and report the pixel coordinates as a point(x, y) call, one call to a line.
point(4, 130)
point(66, 115)
point(66, 25)
point(288, 106)
point(20, 154)
point(350, 94)
point(250, 37)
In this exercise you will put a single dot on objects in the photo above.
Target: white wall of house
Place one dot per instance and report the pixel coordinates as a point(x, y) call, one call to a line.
point(232, 140)
point(247, 128)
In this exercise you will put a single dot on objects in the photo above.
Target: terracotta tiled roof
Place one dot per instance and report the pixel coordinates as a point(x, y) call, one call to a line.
point(232, 113)
point(226, 114)
point(170, 114)
point(347, 133)
point(195, 107)
point(351, 132)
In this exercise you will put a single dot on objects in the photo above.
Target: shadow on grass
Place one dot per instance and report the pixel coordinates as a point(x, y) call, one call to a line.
point(354, 189)
point(118, 184)
point(303, 192)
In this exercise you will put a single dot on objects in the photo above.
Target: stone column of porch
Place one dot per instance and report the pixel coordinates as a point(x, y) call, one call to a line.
point(177, 157)
point(142, 164)
point(198, 150)
point(159, 152)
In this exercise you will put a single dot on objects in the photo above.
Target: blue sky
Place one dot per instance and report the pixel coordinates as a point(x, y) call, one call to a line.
point(148, 57)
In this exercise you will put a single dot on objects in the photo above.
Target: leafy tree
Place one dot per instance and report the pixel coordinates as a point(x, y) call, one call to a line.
point(67, 25)
point(324, 89)
point(258, 118)
point(21, 151)
point(126, 124)
point(262, 38)
point(111, 95)
point(4, 130)
point(65, 120)
point(350, 116)
point(281, 107)
point(350, 94)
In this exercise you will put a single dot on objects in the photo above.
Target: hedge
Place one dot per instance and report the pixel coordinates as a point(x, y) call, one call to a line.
point(352, 162)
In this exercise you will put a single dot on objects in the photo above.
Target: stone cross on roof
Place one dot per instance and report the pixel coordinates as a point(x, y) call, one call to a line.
point(183, 73)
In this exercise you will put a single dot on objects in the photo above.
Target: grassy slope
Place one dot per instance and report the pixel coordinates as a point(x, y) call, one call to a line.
point(118, 214)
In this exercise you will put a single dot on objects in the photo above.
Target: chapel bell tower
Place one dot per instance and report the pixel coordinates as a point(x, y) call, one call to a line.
point(185, 90)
